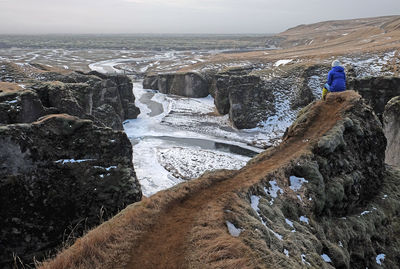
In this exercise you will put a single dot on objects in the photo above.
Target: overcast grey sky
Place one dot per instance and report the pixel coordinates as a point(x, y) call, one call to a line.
point(179, 16)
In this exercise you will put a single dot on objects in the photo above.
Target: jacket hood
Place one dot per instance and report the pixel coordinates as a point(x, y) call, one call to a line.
point(338, 68)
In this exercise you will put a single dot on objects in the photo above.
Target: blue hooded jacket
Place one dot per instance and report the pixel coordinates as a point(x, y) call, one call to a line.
point(337, 79)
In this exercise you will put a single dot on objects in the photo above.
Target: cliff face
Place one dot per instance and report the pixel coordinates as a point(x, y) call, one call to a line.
point(391, 127)
point(60, 174)
point(188, 84)
point(252, 98)
point(377, 91)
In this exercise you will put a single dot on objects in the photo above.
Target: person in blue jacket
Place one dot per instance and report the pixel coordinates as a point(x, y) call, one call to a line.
point(336, 79)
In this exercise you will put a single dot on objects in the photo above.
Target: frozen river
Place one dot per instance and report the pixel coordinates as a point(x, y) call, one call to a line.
point(176, 139)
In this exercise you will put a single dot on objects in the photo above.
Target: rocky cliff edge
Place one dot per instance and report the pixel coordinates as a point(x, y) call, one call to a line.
point(323, 198)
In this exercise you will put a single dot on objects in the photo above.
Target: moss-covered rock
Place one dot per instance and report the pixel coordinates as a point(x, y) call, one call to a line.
point(337, 207)
point(58, 177)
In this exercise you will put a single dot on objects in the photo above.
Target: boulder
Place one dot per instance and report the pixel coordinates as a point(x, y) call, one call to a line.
point(391, 127)
point(59, 176)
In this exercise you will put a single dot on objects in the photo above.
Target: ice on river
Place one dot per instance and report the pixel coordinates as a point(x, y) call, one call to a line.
point(165, 152)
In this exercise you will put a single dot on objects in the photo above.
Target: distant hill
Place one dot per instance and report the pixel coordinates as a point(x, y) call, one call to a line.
point(366, 32)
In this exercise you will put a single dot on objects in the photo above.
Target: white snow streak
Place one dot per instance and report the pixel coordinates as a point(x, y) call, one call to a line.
point(64, 161)
point(282, 62)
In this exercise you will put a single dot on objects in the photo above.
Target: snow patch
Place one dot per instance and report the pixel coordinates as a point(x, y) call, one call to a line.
point(380, 258)
point(232, 229)
point(290, 223)
point(189, 163)
point(255, 200)
point(286, 252)
point(304, 219)
point(365, 212)
point(273, 191)
point(296, 183)
point(326, 258)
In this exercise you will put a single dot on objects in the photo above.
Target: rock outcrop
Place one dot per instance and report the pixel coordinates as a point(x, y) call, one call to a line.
point(338, 200)
point(377, 91)
point(188, 84)
point(252, 96)
point(105, 99)
point(246, 99)
point(59, 176)
point(391, 127)
point(19, 105)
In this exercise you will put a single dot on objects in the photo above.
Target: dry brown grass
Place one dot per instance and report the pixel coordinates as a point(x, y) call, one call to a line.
point(109, 245)
point(8, 87)
point(51, 116)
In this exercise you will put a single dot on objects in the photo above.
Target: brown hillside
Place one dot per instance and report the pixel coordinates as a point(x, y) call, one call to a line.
point(324, 40)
